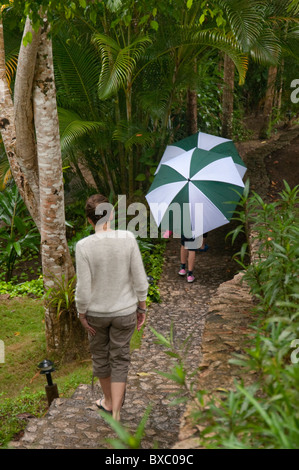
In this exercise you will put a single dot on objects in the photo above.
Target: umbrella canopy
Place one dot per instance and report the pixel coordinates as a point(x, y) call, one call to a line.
point(194, 180)
point(200, 140)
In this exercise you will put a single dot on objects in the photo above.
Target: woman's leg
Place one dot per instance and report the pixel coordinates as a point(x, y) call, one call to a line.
point(121, 331)
point(184, 254)
point(106, 402)
point(99, 348)
point(117, 393)
point(204, 239)
point(191, 260)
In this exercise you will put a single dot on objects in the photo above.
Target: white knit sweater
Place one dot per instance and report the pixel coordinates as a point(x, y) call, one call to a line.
point(110, 274)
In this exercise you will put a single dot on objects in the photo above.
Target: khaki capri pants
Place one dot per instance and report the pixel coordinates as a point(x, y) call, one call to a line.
point(110, 346)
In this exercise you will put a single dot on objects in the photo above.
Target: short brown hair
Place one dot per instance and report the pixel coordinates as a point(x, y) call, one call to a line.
point(91, 205)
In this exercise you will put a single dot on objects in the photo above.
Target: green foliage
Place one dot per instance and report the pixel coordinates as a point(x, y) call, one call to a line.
point(62, 295)
point(265, 414)
point(118, 63)
point(147, 56)
point(85, 232)
point(153, 258)
point(13, 412)
point(125, 439)
point(33, 288)
point(123, 68)
point(66, 9)
point(18, 233)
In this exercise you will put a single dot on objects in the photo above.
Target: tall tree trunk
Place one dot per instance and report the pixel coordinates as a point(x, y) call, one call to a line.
point(278, 94)
point(269, 100)
point(228, 97)
point(192, 111)
point(121, 153)
point(129, 153)
point(56, 261)
point(192, 122)
point(9, 137)
point(23, 110)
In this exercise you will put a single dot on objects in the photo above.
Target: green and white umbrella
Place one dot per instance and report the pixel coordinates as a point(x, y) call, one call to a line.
point(192, 181)
point(204, 141)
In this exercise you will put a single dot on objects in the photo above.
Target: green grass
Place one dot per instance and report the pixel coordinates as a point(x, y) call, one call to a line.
point(22, 330)
point(22, 388)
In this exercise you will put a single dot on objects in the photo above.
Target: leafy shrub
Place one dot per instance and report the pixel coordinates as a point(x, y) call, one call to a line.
point(62, 295)
point(266, 413)
point(34, 288)
point(153, 258)
point(18, 233)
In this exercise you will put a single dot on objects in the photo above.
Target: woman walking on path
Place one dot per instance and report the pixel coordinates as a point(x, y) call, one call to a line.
point(111, 293)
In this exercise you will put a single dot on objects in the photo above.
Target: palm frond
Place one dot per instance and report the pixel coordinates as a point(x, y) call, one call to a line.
point(246, 19)
point(5, 171)
point(12, 46)
point(77, 71)
point(72, 127)
point(117, 63)
point(293, 7)
point(154, 102)
point(210, 39)
point(290, 43)
point(131, 134)
point(11, 67)
point(267, 48)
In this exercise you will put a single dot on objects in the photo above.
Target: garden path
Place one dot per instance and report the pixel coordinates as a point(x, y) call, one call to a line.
point(75, 423)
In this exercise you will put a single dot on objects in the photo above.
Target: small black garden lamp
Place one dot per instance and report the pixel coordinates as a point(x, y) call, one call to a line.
point(46, 367)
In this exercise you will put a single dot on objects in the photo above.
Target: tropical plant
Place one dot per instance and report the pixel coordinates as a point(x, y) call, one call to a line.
point(34, 288)
point(18, 233)
point(282, 19)
point(62, 296)
point(140, 63)
point(125, 439)
point(5, 171)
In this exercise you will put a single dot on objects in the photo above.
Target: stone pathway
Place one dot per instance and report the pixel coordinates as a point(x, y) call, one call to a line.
point(214, 311)
point(75, 423)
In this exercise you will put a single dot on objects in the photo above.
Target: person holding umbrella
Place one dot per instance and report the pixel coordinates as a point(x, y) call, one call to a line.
point(200, 169)
point(190, 180)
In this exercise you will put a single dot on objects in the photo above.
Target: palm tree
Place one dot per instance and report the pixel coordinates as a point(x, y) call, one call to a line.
point(282, 19)
point(247, 22)
point(142, 73)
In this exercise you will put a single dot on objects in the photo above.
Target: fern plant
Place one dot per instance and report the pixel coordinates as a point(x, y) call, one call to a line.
point(62, 295)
